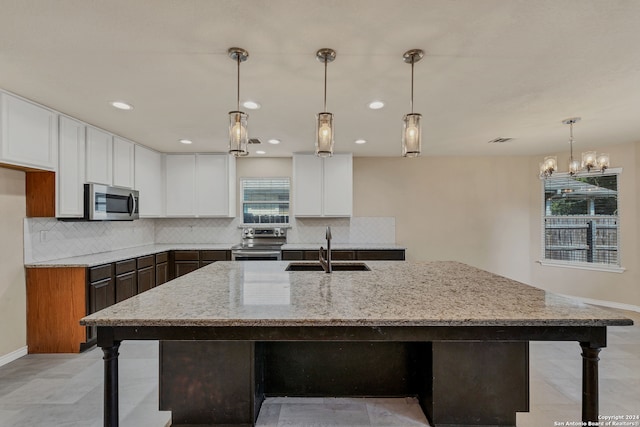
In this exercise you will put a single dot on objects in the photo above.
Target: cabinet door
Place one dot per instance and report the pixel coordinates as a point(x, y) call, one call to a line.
point(149, 181)
point(181, 184)
point(28, 134)
point(307, 185)
point(123, 164)
point(99, 153)
point(126, 286)
point(184, 267)
point(70, 175)
point(101, 295)
point(338, 185)
point(146, 279)
point(162, 273)
point(212, 181)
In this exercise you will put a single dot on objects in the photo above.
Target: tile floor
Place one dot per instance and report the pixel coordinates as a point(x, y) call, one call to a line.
point(65, 390)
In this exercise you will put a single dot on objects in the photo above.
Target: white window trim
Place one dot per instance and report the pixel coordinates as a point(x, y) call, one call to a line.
point(610, 268)
point(262, 225)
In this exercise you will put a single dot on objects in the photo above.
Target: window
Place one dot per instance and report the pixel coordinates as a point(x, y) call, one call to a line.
point(581, 223)
point(265, 200)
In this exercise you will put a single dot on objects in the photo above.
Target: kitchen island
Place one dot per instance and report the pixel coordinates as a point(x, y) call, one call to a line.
point(453, 335)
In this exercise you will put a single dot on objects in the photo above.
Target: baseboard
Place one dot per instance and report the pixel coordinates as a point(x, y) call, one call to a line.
point(610, 304)
point(10, 357)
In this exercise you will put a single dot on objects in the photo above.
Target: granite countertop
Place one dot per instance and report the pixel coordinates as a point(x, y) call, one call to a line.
point(112, 256)
point(122, 254)
point(341, 246)
point(393, 293)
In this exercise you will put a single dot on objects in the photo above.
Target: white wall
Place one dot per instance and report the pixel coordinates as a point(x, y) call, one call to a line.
point(13, 321)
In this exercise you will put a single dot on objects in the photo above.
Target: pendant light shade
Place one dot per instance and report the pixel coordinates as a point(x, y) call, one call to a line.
point(548, 166)
point(411, 126)
point(238, 132)
point(324, 120)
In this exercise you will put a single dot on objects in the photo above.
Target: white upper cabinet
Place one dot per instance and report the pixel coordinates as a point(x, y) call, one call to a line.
point(99, 169)
point(149, 182)
point(323, 187)
point(70, 175)
point(123, 163)
point(28, 134)
point(200, 185)
point(181, 185)
point(216, 185)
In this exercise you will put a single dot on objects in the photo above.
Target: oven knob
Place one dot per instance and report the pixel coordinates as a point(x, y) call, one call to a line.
point(276, 231)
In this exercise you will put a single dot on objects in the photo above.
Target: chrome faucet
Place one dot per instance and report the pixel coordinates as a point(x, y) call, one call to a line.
point(326, 263)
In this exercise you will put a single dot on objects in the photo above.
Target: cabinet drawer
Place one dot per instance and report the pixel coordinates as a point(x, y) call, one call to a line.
point(100, 272)
point(186, 255)
point(125, 266)
point(292, 255)
point(340, 255)
point(215, 255)
point(162, 257)
point(145, 261)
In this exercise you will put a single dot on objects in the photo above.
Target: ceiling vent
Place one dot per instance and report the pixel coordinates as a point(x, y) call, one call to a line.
point(254, 141)
point(499, 140)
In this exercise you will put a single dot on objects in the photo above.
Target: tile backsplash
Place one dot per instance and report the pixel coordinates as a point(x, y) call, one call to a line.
point(47, 238)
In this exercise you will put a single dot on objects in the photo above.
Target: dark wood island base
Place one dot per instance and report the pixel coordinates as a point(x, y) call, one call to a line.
point(462, 376)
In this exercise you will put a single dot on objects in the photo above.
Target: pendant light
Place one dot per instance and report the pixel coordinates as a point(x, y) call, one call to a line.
point(574, 165)
point(324, 120)
point(238, 135)
point(411, 129)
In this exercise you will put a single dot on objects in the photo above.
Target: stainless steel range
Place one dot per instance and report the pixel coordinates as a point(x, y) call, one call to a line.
point(260, 244)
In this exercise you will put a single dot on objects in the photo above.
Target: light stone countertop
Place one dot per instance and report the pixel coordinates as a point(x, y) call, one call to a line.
point(393, 293)
point(112, 256)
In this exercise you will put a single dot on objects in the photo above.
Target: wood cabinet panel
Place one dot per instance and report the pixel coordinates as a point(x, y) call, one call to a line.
point(100, 272)
point(185, 267)
point(126, 286)
point(51, 329)
point(292, 255)
point(40, 193)
point(125, 266)
point(186, 255)
point(101, 295)
point(162, 273)
point(162, 257)
point(146, 279)
point(216, 255)
point(145, 261)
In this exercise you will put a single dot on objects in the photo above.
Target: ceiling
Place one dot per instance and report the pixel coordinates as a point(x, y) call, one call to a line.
point(493, 68)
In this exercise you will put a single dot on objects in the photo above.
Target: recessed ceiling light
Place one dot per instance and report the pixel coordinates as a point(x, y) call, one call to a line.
point(186, 141)
point(360, 141)
point(121, 105)
point(274, 141)
point(376, 105)
point(261, 152)
point(251, 105)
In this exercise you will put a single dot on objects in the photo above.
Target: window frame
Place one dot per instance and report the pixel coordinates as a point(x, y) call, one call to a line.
point(614, 268)
point(242, 202)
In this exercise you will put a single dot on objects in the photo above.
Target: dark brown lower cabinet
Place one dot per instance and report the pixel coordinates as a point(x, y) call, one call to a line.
point(146, 279)
point(126, 286)
point(184, 262)
point(347, 255)
point(162, 268)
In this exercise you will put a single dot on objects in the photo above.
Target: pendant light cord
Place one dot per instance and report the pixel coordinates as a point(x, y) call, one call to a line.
point(412, 62)
point(238, 104)
point(325, 84)
point(571, 141)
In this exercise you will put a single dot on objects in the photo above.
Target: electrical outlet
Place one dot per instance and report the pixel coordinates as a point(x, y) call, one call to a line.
point(44, 236)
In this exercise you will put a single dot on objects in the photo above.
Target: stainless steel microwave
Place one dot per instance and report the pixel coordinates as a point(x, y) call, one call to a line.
point(105, 203)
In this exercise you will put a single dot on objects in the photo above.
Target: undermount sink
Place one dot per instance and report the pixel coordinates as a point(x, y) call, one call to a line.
point(316, 266)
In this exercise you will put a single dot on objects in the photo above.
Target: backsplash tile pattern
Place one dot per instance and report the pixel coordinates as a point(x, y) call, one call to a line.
point(197, 230)
point(61, 239)
point(66, 239)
